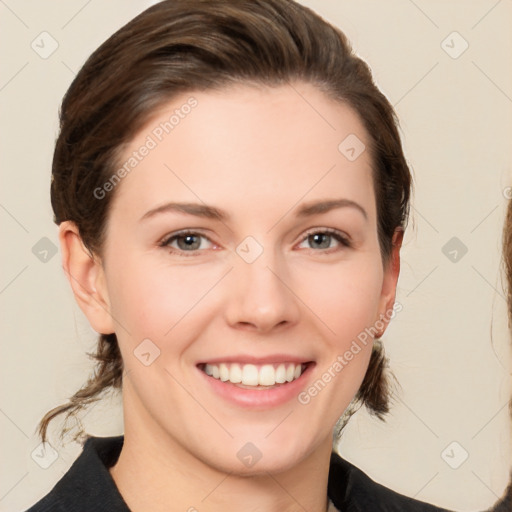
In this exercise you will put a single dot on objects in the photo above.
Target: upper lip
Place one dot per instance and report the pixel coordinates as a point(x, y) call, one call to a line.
point(257, 360)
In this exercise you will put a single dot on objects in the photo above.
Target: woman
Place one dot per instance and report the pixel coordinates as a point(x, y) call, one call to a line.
point(231, 194)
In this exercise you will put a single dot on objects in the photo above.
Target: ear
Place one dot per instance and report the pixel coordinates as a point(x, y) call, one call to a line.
point(86, 277)
point(391, 273)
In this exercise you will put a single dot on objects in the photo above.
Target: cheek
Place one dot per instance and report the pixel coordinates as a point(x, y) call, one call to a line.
point(150, 298)
point(344, 297)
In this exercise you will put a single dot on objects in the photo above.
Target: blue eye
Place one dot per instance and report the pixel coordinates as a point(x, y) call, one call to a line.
point(324, 237)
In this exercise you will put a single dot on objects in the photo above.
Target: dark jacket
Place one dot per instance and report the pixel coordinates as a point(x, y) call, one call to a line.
point(88, 486)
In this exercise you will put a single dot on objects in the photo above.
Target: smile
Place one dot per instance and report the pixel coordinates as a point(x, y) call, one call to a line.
point(255, 376)
point(256, 383)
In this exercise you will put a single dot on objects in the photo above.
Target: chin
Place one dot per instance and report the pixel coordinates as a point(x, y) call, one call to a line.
point(258, 458)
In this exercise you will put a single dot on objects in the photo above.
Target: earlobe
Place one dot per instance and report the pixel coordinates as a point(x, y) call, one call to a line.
point(86, 277)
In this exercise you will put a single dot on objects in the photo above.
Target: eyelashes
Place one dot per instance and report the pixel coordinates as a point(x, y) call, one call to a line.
point(189, 238)
point(332, 233)
point(191, 242)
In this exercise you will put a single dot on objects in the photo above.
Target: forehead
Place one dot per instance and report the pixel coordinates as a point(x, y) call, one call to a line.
point(270, 146)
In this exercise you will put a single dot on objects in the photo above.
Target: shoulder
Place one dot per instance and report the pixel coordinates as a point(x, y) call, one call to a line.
point(352, 490)
point(87, 485)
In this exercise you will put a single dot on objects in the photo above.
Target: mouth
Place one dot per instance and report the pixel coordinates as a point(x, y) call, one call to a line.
point(255, 376)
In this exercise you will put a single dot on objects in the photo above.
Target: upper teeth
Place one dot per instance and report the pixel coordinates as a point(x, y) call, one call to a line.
point(254, 375)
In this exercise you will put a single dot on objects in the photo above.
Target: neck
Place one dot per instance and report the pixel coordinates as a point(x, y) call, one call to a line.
point(173, 477)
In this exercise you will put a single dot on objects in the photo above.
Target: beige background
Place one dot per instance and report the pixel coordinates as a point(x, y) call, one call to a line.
point(449, 347)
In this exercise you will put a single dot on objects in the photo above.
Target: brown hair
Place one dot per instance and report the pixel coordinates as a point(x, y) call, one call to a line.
point(184, 45)
point(505, 503)
point(507, 257)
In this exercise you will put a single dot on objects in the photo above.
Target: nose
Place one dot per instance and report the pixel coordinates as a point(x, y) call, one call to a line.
point(260, 297)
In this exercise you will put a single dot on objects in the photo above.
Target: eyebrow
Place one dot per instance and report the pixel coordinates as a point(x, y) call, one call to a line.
point(196, 209)
point(211, 212)
point(317, 207)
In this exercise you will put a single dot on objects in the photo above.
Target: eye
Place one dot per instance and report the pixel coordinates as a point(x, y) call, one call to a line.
point(186, 241)
point(323, 239)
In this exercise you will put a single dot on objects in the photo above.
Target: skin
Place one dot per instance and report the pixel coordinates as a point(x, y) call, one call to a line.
point(259, 154)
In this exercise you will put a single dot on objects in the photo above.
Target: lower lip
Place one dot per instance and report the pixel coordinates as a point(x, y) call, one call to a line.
point(258, 398)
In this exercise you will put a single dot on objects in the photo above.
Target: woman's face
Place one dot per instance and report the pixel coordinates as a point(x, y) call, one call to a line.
point(242, 244)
